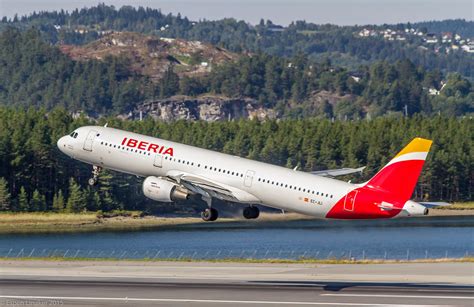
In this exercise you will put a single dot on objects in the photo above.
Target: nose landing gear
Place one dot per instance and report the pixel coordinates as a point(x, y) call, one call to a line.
point(251, 212)
point(95, 175)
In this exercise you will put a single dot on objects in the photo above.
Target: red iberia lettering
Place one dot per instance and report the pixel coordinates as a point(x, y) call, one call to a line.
point(169, 151)
point(132, 143)
point(142, 145)
point(153, 147)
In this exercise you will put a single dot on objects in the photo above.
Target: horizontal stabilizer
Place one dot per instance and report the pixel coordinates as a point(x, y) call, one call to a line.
point(434, 204)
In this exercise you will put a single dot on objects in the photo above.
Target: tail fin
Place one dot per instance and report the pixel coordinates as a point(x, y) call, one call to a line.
point(400, 175)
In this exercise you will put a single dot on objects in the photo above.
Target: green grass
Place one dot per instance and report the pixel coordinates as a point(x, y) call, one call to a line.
point(458, 206)
point(39, 222)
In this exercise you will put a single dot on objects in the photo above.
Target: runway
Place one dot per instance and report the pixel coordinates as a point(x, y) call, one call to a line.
point(145, 284)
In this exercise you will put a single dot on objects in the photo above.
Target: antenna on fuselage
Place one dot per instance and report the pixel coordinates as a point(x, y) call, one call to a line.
point(106, 125)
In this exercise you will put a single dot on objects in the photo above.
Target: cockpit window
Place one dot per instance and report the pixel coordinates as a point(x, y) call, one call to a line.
point(73, 134)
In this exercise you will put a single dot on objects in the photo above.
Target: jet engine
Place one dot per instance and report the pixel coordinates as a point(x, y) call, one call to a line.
point(162, 190)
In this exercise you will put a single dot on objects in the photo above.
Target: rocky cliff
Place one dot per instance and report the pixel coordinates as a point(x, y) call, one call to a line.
point(208, 108)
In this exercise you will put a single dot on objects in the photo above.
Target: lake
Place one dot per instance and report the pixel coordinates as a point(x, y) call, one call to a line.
point(415, 238)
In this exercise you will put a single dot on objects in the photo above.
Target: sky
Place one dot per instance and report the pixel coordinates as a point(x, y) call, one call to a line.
point(341, 12)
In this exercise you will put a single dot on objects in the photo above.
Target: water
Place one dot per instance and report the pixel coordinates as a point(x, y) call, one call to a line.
point(436, 237)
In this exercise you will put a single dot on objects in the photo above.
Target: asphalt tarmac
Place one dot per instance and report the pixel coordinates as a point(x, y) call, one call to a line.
point(234, 284)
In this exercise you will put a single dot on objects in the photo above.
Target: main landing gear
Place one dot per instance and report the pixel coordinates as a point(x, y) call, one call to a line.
point(95, 175)
point(209, 214)
point(251, 212)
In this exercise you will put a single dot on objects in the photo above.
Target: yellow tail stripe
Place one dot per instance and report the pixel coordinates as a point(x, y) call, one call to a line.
point(417, 145)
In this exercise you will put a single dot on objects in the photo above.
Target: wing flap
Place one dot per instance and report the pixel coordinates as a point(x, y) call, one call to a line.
point(207, 187)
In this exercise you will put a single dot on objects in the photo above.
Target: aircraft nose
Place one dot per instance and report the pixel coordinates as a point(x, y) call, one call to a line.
point(61, 144)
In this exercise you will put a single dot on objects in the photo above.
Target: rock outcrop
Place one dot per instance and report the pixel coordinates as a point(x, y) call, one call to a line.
point(207, 108)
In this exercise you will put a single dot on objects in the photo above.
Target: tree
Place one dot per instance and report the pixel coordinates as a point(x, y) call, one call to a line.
point(23, 203)
point(37, 202)
point(58, 201)
point(5, 201)
point(76, 201)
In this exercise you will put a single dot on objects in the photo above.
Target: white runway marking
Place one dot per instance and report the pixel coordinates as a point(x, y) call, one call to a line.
point(172, 300)
point(401, 296)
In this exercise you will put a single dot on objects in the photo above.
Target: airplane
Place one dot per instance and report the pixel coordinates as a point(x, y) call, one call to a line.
point(175, 171)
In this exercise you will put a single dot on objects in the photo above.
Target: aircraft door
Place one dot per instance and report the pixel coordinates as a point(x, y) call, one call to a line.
point(249, 178)
point(158, 162)
point(90, 140)
point(349, 201)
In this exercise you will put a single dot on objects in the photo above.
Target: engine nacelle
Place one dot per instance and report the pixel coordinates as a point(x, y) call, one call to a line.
point(163, 190)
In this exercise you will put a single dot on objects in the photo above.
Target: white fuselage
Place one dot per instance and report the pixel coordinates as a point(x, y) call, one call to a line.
point(271, 185)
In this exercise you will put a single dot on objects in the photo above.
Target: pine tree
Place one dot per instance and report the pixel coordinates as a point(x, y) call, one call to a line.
point(23, 203)
point(58, 202)
point(76, 201)
point(37, 201)
point(5, 201)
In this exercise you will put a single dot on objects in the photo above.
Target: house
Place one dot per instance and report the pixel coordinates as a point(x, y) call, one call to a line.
point(431, 38)
point(446, 37)
point(468, 48)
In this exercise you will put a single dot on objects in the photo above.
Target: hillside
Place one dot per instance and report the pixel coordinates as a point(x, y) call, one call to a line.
point(438, 45)
point(121, 71)
point(152, 56)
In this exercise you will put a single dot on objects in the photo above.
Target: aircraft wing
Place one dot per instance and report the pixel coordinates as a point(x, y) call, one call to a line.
point(207, 187)
point(338, 172)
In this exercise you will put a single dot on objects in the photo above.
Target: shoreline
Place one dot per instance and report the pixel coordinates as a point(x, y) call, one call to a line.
point(31, 223)
point(65, 260)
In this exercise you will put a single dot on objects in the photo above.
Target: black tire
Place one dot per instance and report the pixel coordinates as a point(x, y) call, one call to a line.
point(251, 212)
point(92, 182)
point(214, 214)
point(256, 212)
point(209, 215)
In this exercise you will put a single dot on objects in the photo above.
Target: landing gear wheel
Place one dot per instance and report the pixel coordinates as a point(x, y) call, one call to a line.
point(92, 182)
point(251, 212)
point(95, 175)
point(209, 215)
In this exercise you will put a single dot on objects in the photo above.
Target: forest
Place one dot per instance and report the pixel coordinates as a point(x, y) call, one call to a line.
point(35, 73)
point(35, 176)
point(337, 43)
